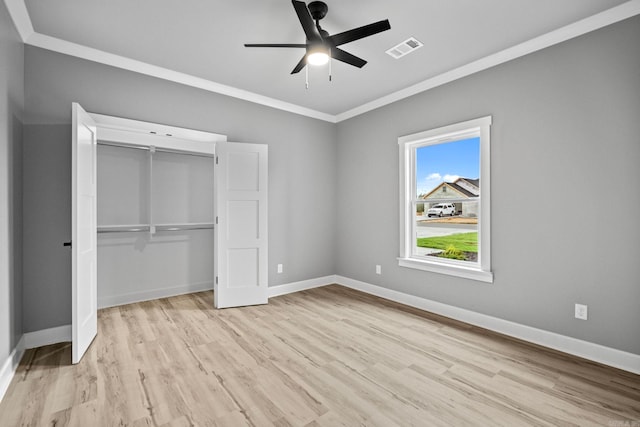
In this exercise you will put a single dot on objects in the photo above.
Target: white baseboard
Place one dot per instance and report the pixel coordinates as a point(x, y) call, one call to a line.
point(30, 340)
point(130, 298)
point(303, 285)
point(47, 336)
point(9, 367)
point(587, 350)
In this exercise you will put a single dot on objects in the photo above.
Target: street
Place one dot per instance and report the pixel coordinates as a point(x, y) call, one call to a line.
point(430, 229)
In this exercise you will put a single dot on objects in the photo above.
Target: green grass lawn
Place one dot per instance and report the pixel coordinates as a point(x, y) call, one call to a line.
point(467, 242)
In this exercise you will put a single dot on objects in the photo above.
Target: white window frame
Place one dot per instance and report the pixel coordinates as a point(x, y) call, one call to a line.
point(407, 145)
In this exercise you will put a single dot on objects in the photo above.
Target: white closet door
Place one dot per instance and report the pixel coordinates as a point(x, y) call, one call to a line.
point(84, 322)
point(241, 244)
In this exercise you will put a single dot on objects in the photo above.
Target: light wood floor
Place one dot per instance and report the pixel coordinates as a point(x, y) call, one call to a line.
point(324, 357)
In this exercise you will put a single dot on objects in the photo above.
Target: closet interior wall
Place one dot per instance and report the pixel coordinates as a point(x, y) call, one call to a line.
point(155, 223)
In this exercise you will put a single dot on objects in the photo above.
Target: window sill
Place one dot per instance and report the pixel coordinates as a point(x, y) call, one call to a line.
point(451, 270)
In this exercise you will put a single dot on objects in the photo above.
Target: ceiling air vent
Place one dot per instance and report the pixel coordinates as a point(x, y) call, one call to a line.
point(404, 48)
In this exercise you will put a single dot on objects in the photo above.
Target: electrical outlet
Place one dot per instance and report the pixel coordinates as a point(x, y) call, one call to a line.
point(279, 268)
point(378, 269)
point(581, 311)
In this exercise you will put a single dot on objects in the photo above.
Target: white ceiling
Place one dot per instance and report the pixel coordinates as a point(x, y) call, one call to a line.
point(200, 42)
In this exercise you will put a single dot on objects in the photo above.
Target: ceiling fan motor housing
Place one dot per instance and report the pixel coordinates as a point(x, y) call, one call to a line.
point(318, 10)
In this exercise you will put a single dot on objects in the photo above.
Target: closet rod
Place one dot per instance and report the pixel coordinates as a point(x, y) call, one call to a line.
point(158, 228)
point(117, 229)
point(145, 147)
point(184, 227)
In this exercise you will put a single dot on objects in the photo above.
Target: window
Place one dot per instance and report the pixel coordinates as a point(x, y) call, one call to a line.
point(445, 205)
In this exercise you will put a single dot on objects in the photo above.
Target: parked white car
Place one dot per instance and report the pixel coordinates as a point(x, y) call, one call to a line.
point(442, 209)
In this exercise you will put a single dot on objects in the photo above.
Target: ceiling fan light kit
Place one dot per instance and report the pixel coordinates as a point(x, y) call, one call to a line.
point(317, 57)
point(320, 46)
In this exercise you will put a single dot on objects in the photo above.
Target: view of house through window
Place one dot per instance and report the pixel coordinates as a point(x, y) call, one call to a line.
point(447, 199)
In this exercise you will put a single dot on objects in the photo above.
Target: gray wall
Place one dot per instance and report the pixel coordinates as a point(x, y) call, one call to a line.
point(11, 111)
point(302, 153)
point(564, 175)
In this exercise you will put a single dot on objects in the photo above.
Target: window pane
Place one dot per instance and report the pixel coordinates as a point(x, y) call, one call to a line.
point(448, 190)
point(451, 236)
point(440, 167)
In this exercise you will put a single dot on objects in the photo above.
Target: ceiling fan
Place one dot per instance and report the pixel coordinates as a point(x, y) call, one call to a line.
point(320, 45)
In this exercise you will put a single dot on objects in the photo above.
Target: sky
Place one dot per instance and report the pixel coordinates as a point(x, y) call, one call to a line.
point(446, 162)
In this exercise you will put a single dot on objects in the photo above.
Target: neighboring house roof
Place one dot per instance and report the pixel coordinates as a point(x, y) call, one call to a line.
point(462, 190)
point(475, 182)
point(466, 186)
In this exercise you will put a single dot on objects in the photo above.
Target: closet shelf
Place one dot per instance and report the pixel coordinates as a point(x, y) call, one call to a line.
point(158, 227)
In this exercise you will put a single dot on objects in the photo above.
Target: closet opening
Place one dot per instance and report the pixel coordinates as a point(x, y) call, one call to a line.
point(155, 219)
point(160, 211)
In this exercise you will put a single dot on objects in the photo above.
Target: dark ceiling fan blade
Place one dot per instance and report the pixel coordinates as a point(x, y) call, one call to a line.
point(346, 57)
point(304, 16)
point(300, 65)
point(275, 45)
point(359, 33)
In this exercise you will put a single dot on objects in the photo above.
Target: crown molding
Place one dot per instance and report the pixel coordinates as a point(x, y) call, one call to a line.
point(20, 16)
point(22, 21)
point(80, 51)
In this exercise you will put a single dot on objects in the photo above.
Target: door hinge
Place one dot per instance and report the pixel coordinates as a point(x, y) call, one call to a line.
point(216, 280)
point(216, 160)
point(216, 220)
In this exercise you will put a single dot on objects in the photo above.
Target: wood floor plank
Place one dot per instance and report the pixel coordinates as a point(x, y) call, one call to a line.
point(324, 357)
